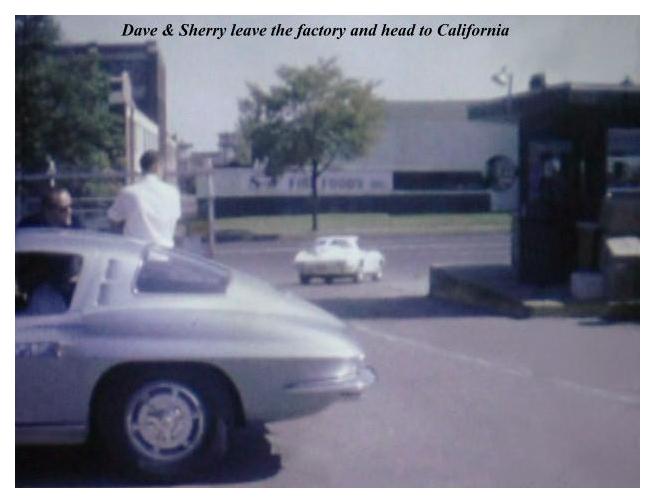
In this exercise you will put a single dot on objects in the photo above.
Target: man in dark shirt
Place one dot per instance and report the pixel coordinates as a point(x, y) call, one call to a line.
point(56, 211)
point(44, 282)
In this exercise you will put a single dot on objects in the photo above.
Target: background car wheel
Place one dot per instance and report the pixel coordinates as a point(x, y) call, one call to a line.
point(304, 279)
point(378, 274)
point(359, 275)
point(164, 425)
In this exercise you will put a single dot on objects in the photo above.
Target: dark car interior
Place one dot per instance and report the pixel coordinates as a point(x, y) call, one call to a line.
point(45, 282)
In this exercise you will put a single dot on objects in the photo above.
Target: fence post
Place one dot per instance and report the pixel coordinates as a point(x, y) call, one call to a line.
point(51, 171)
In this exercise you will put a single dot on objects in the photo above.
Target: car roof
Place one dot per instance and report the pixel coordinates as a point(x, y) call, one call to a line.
point(77, 241)
point(346, 237)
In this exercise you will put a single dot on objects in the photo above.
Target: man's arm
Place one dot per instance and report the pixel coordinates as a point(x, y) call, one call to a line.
point(178, 204)
point(117, 213)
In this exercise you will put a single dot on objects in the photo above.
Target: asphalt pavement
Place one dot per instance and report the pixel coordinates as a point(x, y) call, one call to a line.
point(465, 398)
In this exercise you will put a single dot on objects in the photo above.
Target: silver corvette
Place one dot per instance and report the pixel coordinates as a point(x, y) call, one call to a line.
point(158, 354)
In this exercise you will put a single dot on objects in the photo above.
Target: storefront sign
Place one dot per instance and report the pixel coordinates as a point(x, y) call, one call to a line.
point(239, 182)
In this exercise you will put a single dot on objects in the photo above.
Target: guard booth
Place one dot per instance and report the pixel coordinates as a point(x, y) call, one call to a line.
point(571, 138)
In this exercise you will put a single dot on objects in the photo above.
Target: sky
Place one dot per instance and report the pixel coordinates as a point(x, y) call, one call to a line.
point(207, 76)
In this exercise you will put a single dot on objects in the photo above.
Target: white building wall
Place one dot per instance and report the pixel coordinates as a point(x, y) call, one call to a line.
point(435, 136)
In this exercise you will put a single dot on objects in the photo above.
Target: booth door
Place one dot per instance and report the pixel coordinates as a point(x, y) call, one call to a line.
point(546, 222)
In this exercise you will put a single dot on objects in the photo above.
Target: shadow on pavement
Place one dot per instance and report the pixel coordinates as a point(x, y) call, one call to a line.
point(250, 459)
point(397, 308)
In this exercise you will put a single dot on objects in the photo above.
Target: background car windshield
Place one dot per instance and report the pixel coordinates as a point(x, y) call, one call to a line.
point(166, 272)
point(340, 243)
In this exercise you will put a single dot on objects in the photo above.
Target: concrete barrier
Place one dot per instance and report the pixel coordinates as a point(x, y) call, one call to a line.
point(445, 283)
point(491, 287)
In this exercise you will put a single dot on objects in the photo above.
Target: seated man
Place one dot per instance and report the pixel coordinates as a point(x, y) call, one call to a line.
point(50, 284)
point(46, 299)
point(56, 211)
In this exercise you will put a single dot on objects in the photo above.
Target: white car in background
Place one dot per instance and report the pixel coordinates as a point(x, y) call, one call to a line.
point(338, 257)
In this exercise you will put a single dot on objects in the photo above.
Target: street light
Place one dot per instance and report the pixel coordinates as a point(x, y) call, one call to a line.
point(504, 78)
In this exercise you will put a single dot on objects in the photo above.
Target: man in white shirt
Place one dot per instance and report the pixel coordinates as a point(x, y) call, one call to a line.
point(149, 208)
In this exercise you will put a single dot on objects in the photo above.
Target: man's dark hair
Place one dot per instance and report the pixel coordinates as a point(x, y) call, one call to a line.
point(149, 160)
point(47, 201)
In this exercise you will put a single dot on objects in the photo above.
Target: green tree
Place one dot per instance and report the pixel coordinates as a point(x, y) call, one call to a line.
point(62, 104)
point(315, 117)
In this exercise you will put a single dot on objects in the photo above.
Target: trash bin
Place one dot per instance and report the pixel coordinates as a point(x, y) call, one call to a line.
point(620, 268)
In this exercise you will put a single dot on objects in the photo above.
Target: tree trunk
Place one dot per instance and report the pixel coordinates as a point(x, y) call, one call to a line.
point(314, 195)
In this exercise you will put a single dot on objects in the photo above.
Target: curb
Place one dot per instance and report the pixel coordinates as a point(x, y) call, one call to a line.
point(448, 286)
point(362, 232)
point(556, 308)
point(623, 311)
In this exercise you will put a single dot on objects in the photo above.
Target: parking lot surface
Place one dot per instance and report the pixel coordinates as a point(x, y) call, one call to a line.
point(464, 397)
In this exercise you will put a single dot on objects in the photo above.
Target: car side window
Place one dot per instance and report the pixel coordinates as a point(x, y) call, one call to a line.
point(170, 272)
point(45, 282)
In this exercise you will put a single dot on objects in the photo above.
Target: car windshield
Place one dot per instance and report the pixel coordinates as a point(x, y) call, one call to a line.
point(341, 243)
point(164, 271)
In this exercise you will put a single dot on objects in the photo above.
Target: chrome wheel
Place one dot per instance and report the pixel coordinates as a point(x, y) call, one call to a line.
point(165, 421)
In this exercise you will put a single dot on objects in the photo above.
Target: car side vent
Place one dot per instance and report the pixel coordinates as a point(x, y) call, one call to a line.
point(104, 294)
point(113, 267)
point(107, 287)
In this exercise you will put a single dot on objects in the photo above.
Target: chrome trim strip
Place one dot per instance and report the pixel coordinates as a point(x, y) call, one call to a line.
point(349, 386)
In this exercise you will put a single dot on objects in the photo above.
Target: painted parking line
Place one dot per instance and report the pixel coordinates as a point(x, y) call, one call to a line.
point(515, 371)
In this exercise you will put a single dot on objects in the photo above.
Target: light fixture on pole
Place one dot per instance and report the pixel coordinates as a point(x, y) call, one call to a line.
point(504, 78)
